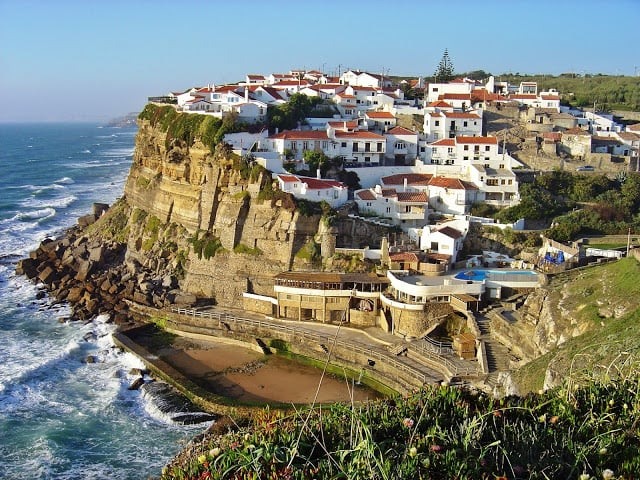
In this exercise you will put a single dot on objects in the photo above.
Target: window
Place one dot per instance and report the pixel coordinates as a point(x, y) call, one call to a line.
point(379, 146)
point(486, 165)
point(400, 146)
point(502, 182)
point(367, 147)
point(437, 123)
point(388, 209)
point(305, 145)
point(466, 147)
point(343, 144)
point(367, 159)
point(325, 145)
point(492, 182)
point(449, 149)
point(465, 158)
point(501, 165)
point(355, 146)
point(510, 182)
point(368, 204)
point(435, 89)
point(464, 124)
point(487, 148)
point(423, 150)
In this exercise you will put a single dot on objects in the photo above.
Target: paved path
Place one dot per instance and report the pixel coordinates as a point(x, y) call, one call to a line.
point(415, 356)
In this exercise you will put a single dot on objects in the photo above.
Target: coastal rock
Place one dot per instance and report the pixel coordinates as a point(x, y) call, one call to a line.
point(136, 384)
point(27, 267)
point(48, 275)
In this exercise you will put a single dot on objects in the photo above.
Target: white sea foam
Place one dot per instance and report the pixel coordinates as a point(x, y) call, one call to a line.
point(117, 152)
point(40, 214)
point(65, 181)
point(43, 203)
point(86, 151)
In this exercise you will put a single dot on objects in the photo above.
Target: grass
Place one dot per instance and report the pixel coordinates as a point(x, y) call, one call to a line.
point(436, 433)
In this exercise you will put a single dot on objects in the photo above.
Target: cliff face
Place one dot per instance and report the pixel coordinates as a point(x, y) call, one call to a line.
point(180, 196)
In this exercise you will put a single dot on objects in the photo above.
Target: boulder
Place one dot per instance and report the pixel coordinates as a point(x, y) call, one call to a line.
point(136, 384)
point(170, 282)
point(96, 253)
point(99, 209)
point(86, 220)
point(84, 270)
point(48, 275)
point(27, 267)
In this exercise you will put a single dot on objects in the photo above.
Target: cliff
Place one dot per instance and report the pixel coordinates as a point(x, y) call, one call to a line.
point(195, 212)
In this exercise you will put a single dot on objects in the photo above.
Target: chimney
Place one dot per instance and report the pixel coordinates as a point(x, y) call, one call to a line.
point(405, 184)
point(246, 94)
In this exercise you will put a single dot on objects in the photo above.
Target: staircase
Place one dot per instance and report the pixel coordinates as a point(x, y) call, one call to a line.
point(497, 354)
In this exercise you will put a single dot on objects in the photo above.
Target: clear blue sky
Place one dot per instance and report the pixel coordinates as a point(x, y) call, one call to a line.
point(96, 59)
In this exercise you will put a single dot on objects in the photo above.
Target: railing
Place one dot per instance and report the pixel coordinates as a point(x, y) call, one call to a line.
point(225, 318)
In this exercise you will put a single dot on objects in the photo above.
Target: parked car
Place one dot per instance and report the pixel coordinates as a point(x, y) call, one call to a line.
point(585, 168)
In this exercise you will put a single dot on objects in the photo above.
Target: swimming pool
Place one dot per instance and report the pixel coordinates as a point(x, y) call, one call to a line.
point(479, 275)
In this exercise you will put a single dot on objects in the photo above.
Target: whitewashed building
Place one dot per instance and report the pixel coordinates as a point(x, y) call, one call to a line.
point(314, 189)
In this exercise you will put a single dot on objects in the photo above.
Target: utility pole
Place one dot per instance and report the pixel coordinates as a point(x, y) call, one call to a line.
point(628, 241)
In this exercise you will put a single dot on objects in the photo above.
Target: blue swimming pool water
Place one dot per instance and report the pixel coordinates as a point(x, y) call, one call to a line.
point(479, 275)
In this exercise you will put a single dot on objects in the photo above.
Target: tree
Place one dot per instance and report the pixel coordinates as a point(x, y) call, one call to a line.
point(444, 72)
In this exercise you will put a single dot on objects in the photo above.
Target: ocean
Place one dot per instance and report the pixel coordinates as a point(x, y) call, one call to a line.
point(61, 417)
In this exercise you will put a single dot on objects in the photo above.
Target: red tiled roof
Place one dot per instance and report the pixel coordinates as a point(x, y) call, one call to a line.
point(291, 83)
point(455, 96)
point(461, 115)
point(555, 136)
point(550, 97)
point(481, 95)
point(359, 134)
point(413, 197)
point(634, 128)
point(576, 131)
point(379, 115)
point(629, 136)
point(435, 114)
point(412, 179)
point(312, 183)
point(450, 232)
point(364, 89)
point(403, 257)
point(453, 183)
point(366, 195)
point(477, 140)
point(444, 142)
point(350, 124)
point(256, 76)
point(440, 104)
point(389, 192)
point(300, 135)
point(401, 131)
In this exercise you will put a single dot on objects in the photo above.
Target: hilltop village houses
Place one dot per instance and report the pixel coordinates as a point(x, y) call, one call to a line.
point(410, 175)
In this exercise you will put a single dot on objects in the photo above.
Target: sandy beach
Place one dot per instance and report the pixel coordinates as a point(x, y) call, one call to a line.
point(248, 376)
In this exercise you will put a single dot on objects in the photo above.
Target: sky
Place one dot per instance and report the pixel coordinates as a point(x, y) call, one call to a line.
point(93, 60)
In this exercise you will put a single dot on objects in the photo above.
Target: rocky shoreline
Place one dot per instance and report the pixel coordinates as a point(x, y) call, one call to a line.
point(93, 276)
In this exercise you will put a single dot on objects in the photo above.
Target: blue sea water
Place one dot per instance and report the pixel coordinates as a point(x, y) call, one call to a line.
point(60, 417)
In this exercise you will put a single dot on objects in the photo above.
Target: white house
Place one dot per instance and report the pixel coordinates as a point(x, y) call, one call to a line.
point(407, 209)
point(355, 148)
point(364, 79)
point(443, 240)
point(402, 145)
point(434, 90)
point(441, 124)
point(253, 79)
point(452, 195)
point(632, 141)
point(379, 121)
point(314, 189)
point(602, 122)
